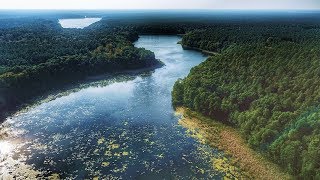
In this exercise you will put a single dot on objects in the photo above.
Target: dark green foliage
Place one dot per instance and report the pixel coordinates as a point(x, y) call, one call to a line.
point(265, 81)
point(264, 86)
point(299, 146)
point(41, 56)
point(177, 94)
point(221, 36)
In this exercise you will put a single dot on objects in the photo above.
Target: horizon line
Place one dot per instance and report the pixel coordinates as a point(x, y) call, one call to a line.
point(162, 9)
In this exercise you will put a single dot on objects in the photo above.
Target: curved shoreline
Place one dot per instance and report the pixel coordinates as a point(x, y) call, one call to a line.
point(229, 140)
point(71, 87)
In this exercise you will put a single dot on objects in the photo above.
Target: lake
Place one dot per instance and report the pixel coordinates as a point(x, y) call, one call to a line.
point(79, 23)
point(125, 129)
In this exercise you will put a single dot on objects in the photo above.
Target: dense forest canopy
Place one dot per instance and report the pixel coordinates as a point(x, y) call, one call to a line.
point(40, 55)
point(265, 81)
point(264, 78)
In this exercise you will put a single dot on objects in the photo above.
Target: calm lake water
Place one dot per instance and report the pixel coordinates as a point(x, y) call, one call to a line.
point(78, 23)
point(123, 130)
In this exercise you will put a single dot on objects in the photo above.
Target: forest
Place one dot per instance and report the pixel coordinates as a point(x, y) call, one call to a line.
point(265, 81)
point(39, 55)
point(264, 78)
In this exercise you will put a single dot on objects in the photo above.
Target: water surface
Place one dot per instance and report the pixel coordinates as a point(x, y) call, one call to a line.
point(79, 23)
point(123, 130)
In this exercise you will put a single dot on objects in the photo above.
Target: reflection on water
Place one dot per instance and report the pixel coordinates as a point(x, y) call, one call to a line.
point(123, 130)
point(5, 148)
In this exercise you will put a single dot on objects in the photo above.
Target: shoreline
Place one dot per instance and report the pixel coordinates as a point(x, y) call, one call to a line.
point(209, 53)
point(89, 79)
point(74, 87)
point(227, 139)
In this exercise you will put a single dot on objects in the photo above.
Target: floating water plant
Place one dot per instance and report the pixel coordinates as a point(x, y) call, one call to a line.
point(105, 164)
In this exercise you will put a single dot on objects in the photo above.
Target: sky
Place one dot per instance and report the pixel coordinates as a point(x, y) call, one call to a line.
point(160, 4)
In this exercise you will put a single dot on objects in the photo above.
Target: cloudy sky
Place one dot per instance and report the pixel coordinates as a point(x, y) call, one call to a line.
point(159, 4)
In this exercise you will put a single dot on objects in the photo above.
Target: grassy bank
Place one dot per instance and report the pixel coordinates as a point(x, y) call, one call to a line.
point(229, 140)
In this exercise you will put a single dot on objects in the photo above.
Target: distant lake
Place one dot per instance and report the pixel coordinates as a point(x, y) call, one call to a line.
point(78, 23)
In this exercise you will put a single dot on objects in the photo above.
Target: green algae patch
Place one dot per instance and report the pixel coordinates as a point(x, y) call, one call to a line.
point(96, 151)
point(223, 164)
point(115, 146)
point(108, 153)
point(243, 163)
point(17, 168)
point(105, 164)
point(54, 176)
point(101, 140)
point(120, 169)
point(125, 153)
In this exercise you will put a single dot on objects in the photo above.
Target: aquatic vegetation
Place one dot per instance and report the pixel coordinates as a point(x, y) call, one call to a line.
point(17, 168)
point(105, 164)
point(161, 156)
point(122, 169)
point(96, 151)
point(54, 176)
point(103, 132)
point(108, 153)
point(39, 146)
point(243, 161)
point(114, 146)
point(224, 165)
point(265, 82)
point(195, 134)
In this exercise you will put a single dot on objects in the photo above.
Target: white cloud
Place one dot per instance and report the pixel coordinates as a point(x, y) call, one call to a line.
point(159, 4)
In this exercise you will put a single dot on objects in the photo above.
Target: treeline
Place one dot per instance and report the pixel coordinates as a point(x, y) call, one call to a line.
point(217, 38)
point(265, 82)
point(41, 56)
